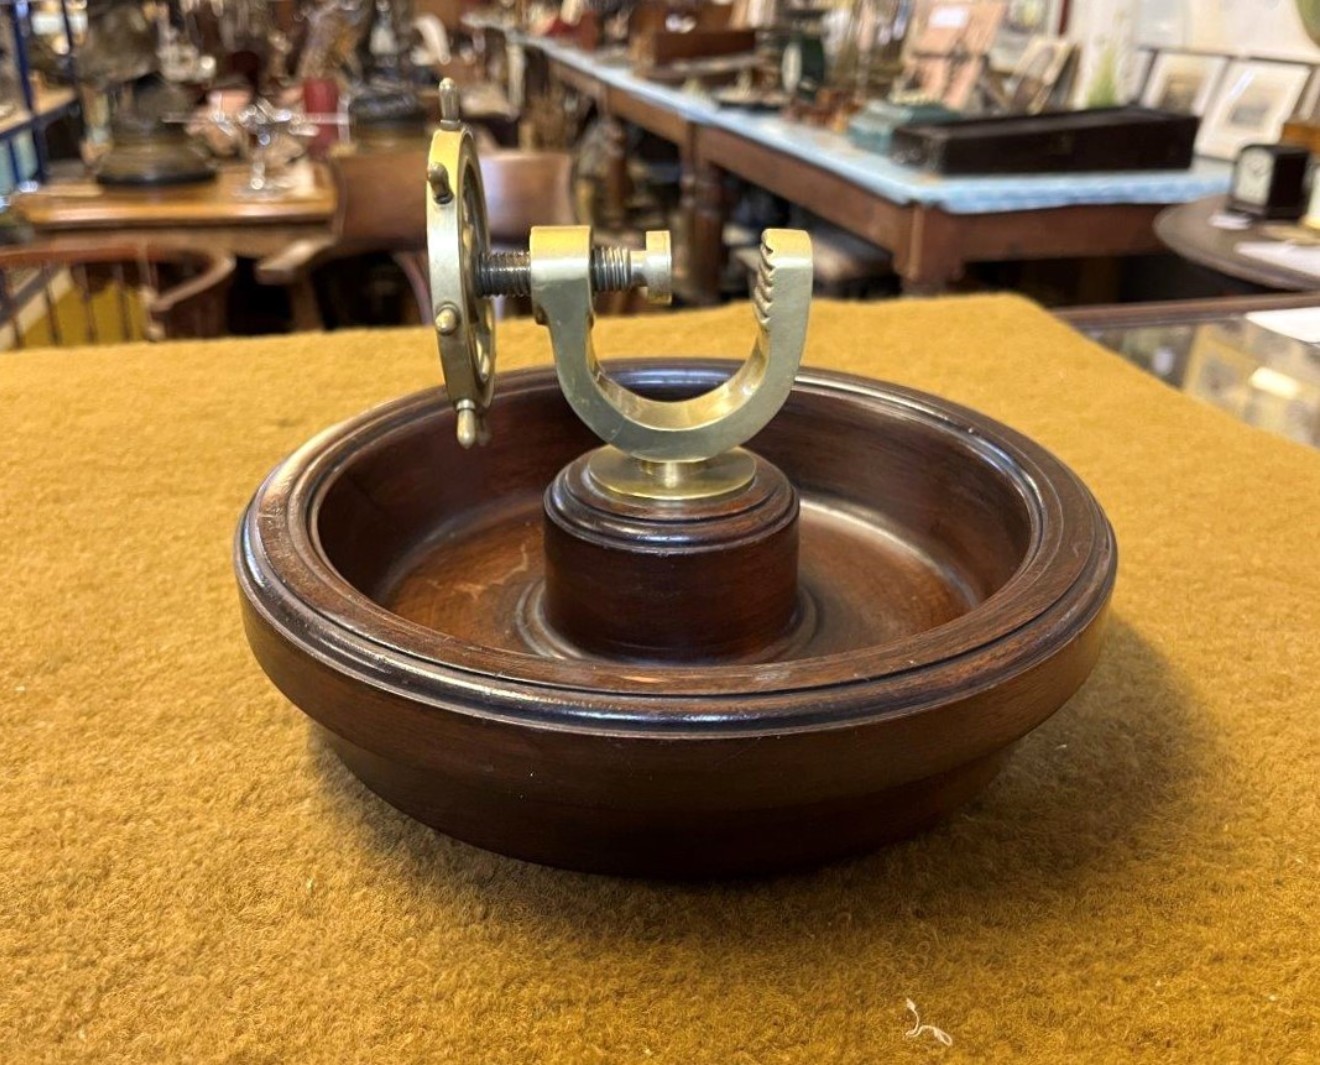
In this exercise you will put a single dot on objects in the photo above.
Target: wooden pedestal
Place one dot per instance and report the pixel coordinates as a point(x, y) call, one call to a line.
point(672, 580)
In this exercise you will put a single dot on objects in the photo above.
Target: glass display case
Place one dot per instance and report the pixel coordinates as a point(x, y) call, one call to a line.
point(1256, 358)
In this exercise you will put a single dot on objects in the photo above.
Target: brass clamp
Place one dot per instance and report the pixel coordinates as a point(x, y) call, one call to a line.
point(654, 448)
point(673, 448)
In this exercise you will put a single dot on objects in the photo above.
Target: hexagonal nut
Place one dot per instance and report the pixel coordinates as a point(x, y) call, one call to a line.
point(657, 272)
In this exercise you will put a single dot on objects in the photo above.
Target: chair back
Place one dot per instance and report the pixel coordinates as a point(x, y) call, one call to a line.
point(525, 189)
point(382, 204)
point(382, 201)
point(382, 197)
point(70, 292)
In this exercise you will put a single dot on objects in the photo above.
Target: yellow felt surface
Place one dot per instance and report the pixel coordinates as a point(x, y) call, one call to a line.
point(185, 875)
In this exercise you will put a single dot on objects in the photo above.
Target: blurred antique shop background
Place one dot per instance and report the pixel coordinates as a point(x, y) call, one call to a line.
point(218, 167)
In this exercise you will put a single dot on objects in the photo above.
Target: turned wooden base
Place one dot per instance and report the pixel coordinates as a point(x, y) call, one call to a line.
point(701, 579)
point(637, 842)
point(954, 579)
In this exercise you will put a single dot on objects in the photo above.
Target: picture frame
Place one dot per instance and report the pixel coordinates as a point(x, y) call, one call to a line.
point(1183, 82)
point(949, 53)
point(1255, 98)
point(1023, 21)
point(1136, 74)
point(1308, 109)
point(1038, 74)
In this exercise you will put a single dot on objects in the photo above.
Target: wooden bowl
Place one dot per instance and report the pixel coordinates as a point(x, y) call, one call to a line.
point(954, 577)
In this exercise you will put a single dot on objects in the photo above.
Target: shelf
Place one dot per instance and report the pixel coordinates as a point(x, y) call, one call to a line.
point(41, 105)
point(52, 102)
point(16, 122)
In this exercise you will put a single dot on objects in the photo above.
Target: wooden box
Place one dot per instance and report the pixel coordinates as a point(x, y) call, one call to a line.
point(661, 47)
point(1105, 139)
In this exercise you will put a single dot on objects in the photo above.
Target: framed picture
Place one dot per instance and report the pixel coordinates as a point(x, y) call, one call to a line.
point(1023, 20)
point(1038, 74)
point(1256, 98)
point(948, 54)
point(1309, 108)
point(1136, 73)
point(1166, 23)
point(1182, 82)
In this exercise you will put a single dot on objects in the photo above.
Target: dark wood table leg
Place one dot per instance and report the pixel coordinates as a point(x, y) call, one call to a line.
point(930, 260)
point(704, 197)
point(922, 287)
point(618, 187)
point(305, 310)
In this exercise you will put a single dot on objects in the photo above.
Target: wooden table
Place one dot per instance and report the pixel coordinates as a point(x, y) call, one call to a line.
point(932, 226)
point(1188, 230)
point(220, 213)
point(701, 208)
point(189, 874)
point(931, 246)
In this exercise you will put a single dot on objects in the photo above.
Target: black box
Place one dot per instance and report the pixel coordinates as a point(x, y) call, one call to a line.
point(1107, 138)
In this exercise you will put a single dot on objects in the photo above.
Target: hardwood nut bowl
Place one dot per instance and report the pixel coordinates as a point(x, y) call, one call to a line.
point(953, 577)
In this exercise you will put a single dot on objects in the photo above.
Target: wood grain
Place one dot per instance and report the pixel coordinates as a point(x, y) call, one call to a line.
point(83, 204)
point(703, 580)
point(1187, 230)
point(183, 289)
point(990, 570)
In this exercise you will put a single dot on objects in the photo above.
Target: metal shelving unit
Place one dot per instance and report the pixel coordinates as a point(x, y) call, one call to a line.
point(41, 105)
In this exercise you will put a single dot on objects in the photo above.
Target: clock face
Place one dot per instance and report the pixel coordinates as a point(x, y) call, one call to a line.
point(1252, 177)
point(790, 67)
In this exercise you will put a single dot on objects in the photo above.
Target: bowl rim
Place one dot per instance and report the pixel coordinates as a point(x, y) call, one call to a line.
point(1062, 584)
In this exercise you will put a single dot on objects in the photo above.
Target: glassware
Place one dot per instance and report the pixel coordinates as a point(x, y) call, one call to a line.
point(273, 138)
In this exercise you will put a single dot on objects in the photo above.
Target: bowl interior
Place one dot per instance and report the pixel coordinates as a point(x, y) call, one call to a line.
point(910, 520)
